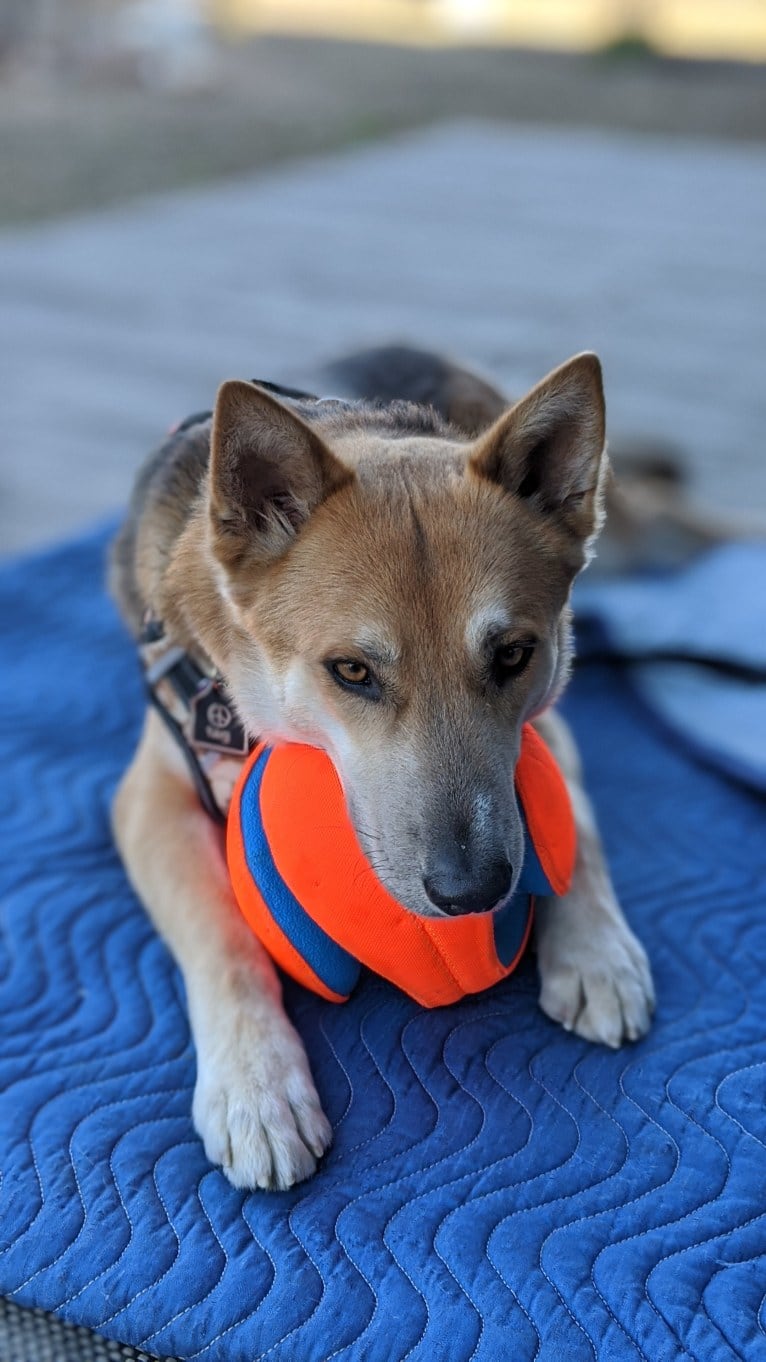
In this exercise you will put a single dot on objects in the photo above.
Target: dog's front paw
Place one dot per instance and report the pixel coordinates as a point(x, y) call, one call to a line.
point(255, 1104)
point(595, 975)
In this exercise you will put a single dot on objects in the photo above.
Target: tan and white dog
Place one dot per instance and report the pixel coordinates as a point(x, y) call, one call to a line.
point(392, 586)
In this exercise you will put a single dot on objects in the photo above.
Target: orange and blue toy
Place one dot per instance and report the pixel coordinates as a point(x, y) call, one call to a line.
point(309, 893)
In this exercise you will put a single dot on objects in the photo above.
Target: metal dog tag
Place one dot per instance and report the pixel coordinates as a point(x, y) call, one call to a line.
point(215, 724)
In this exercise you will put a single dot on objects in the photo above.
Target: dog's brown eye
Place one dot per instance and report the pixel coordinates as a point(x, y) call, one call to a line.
point(352, 673)
point(355, 677)
point(511, 659)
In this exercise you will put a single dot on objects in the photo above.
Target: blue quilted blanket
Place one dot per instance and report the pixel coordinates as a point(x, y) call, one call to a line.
point(498, 1190)
point(711, 614)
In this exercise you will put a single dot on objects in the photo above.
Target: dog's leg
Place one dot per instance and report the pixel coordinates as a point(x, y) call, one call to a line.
point(594, 973)
point(255, 1104)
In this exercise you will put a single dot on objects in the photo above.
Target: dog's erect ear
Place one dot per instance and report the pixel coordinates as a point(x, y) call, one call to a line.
point(549, 448)
point(268, 471)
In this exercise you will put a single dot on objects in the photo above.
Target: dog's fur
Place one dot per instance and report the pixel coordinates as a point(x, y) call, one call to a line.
point(427, 552)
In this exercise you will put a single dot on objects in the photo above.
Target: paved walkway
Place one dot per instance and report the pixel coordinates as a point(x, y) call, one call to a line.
point(511, 247)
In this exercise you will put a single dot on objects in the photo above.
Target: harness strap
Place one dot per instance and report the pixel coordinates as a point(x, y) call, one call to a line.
point(198, 712)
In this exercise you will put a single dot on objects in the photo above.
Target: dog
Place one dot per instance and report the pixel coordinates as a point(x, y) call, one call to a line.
point(386, 576)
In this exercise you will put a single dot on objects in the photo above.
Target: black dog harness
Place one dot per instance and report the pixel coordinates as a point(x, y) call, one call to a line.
point(196, 709)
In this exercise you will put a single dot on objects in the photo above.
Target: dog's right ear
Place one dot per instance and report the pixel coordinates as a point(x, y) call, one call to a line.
point(268, 471)
point(549, 450)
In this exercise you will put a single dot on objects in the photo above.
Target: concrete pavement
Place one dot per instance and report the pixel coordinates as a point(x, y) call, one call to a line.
point(510, 247)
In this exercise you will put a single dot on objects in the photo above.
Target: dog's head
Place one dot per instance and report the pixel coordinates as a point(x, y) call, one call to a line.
point(397, 594)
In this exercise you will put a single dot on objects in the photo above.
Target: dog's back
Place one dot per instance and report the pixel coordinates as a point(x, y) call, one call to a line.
point(167, 487)
point(402, 372)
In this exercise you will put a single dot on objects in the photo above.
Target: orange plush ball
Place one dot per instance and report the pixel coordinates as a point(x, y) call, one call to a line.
point(309, 893)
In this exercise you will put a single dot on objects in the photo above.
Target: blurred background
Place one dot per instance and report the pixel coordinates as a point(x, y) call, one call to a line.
point(193, 189)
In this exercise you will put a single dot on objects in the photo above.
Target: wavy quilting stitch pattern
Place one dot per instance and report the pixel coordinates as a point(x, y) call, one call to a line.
point(496, 1189)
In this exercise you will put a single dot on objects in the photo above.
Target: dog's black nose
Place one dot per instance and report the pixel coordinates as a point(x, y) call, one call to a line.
point(453, 889)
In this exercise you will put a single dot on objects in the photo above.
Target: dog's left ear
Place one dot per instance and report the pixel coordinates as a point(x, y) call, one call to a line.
point(548, 450)
point(268, 472)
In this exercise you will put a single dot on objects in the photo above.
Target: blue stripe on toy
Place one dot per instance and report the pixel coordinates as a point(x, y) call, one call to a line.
point(337, 969)
point(511, 920)
point(510, 924)
point(533, 878)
